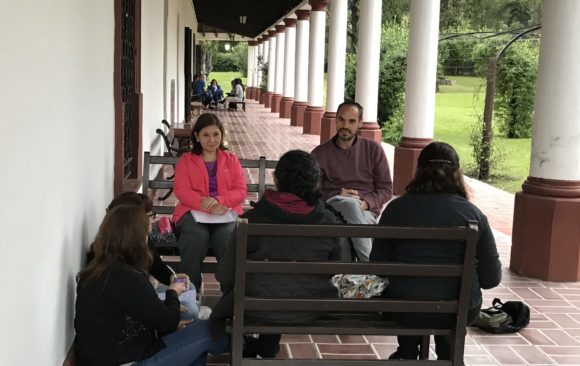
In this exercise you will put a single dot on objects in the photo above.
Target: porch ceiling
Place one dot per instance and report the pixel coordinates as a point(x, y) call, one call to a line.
point(225, 15)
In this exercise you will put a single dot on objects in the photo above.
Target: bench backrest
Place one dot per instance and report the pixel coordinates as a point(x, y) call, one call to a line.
point(458, 306)
point(257, 187)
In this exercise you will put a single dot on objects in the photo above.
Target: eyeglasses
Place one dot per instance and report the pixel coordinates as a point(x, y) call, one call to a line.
point(152, 215)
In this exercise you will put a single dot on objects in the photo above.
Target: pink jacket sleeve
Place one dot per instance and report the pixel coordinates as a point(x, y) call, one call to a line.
point(236, 191)
point(183, 186)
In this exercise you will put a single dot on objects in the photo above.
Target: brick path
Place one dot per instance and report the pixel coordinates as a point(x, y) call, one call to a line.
point(553, 336)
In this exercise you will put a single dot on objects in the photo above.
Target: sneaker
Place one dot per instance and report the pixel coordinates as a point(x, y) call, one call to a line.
point(204, 312)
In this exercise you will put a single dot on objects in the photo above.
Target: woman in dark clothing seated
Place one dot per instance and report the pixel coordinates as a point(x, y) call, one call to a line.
point(119, 318)
point(435, 198)
point(297, 201)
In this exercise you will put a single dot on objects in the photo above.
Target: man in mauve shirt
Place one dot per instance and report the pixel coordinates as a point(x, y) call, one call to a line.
point(355, 177)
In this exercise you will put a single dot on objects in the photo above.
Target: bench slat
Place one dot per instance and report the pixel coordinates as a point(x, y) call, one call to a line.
point(365, 328)
point(395, 269)
point(333, 362)
point(392, 306)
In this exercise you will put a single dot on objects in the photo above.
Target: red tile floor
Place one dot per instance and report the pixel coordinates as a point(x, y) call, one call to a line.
point(553, 336)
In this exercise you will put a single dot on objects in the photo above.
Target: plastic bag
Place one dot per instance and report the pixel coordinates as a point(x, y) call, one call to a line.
point(359, 286)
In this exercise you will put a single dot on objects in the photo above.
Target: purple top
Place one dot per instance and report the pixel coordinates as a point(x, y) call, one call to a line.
point(212, 173)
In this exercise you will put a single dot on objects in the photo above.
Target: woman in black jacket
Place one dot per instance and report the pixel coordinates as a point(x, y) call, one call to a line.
point(119, 318)
point(296, 201)
point(435, 198)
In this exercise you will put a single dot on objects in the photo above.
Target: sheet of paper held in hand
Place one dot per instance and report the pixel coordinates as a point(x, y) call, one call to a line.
point(207, 218)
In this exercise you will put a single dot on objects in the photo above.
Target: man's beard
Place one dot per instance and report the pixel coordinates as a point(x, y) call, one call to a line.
point(350, 136)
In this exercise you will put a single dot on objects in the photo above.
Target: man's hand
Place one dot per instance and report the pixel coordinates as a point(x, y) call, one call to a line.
point(347, 192)
point(364, 205)
point(208, 203)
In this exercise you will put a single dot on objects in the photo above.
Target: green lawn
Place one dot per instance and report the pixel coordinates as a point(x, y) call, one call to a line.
point(456, 111)
point(224, 79)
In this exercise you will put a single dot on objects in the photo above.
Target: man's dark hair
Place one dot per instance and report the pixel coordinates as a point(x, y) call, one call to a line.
point(351, 103)
point(438, 171)
point(206, 119)
point(298, 173)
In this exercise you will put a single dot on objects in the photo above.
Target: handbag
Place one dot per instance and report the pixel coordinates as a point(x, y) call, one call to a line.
point(501, 318)
point(162, 233)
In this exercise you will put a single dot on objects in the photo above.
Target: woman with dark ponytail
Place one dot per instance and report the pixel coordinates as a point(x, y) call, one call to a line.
point(296, 201)
point(436, 197)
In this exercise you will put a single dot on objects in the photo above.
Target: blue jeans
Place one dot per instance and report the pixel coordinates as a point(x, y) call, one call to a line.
point(187, 347)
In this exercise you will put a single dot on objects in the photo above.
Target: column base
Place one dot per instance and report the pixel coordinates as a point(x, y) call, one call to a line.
point(312, 119)
point(257, 95)
point(263, 97)
point(371, 131)
point(327, 126)
point(297, 113)
point(406, 155)
point(250, 92)
point(546, 234)
point(286, 107)
point(268, 99)
point(275, 106)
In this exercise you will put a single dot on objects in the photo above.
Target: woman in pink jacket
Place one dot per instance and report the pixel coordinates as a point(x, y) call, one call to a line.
point(207, 179)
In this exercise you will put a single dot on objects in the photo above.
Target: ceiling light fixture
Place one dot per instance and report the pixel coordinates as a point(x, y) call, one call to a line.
point(243, 19)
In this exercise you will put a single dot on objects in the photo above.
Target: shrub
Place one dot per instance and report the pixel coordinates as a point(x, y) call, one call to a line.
point(516, 88)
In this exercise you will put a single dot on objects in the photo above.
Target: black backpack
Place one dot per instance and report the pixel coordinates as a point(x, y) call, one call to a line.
point(508, 317)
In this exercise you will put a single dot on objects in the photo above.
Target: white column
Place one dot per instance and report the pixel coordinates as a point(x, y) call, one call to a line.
point(301, 66)
point(336, 54)
point(250, 66)
point(556, 131)
point(259, 70)
point(316, 58)
point(367, 62)
point(272, 62)
point(255, 63)
point(280, 43)
point(421, 69)
point(289, 57)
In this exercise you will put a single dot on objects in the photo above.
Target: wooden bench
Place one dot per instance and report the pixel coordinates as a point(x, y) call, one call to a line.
point(242, 103)
point(352, 316)
point(255, 191)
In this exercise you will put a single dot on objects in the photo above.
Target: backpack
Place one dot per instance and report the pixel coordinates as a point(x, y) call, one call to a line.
point(508, 317)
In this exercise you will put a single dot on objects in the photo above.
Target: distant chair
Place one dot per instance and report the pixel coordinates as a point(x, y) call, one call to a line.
point(169, 140)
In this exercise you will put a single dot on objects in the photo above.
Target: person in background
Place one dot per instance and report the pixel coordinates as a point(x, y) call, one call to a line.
point(436, 197)
point(296, 201)
point(216, 92)
point(118, 317)
point(199, 92)
point(211, 180)
point(237, 94)
point(159, 270)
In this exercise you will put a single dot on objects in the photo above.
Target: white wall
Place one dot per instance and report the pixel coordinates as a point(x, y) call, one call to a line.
point(57, 152)
point(56, 149)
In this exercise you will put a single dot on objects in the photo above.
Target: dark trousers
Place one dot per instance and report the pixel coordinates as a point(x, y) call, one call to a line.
point(265, 346)
point(408, 348)
point(194, 241)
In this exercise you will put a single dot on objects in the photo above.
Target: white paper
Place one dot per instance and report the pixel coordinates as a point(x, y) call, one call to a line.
point(207, 218)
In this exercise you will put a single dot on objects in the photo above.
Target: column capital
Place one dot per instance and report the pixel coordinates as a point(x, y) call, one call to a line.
point(272, 33)
point(302, 14)
point(252, 43)
point(280, 28)
point(259, 41)
point(265, 37)
point(290, 22)
point(319, 5)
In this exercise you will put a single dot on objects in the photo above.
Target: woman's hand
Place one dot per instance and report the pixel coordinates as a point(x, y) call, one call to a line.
point(182, 278)
point(218, 209)
point(208, 202)
point(178, 286)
